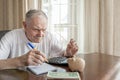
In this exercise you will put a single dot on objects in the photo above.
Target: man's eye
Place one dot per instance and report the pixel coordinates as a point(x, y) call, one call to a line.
point(39, 30)
point(35, 29)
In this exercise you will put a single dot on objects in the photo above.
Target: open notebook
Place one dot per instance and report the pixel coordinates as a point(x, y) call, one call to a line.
point(40, 69)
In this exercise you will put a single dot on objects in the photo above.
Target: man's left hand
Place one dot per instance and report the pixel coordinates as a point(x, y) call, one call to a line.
point(71, 49)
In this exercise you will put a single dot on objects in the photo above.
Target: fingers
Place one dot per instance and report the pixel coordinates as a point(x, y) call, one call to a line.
point(35, 61)
point(72, 47)
point(44, 57)
point(38, 55)
point(35, 57)
point(72, 44)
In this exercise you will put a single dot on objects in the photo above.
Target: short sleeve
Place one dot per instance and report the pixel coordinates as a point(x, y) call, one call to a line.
point(5, 46)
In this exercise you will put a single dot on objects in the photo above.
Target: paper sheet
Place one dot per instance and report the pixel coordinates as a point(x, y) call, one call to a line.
point(40, 69)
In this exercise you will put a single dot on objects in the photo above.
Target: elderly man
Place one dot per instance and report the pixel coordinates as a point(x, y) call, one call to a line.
point(15, 51)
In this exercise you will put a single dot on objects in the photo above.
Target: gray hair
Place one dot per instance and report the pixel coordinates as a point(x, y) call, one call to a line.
point(33, 12)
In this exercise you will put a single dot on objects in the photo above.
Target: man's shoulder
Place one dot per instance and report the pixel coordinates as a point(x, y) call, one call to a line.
point(13, 33)
point(17, 30)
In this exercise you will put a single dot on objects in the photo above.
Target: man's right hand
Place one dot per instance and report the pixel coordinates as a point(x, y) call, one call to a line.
point(33, 57)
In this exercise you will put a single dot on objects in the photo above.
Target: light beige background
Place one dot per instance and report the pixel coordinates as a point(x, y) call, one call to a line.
point(102, 22)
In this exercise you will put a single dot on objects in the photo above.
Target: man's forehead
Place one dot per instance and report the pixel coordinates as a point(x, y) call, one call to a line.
point(38, 27)
point(39, 17)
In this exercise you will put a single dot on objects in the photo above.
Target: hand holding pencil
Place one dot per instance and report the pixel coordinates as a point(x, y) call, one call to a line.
point(38, 56)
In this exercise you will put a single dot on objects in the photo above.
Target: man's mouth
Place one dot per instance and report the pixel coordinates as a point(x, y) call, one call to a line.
point(38, 38)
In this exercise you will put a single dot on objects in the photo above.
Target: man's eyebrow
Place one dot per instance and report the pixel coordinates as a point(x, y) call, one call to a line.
point(39, 28)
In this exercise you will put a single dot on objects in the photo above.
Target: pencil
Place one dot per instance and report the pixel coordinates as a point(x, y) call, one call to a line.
point(33, 47)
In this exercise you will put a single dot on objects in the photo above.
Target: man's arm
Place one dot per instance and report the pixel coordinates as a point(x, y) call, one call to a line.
point(10, 63)
point(33, 57)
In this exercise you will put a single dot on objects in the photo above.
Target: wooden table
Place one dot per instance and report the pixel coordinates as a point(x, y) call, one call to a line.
point(98, 67)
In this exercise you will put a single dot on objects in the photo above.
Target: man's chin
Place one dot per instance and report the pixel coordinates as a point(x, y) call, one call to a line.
point(38, 40)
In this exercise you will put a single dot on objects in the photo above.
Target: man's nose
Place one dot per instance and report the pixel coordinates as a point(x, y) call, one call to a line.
point(41, 33)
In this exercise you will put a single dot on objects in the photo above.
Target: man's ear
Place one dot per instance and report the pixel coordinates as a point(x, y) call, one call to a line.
point(24, 24)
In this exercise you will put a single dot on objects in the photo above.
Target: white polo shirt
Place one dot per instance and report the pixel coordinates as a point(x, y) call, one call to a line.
point(14, 44)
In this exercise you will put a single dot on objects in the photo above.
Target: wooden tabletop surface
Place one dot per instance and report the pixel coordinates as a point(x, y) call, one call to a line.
point(98, 67)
